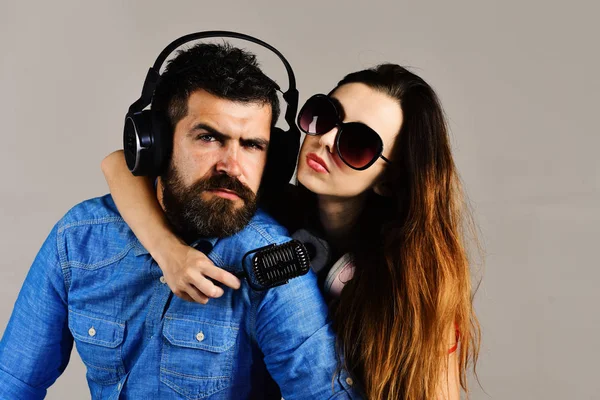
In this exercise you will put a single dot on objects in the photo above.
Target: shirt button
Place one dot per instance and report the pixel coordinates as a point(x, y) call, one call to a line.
point(349, 381)
point(200, 336)
point(92, 331)
point(162, 279)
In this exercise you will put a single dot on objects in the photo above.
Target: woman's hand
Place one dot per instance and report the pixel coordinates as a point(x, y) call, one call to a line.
point(187, 272)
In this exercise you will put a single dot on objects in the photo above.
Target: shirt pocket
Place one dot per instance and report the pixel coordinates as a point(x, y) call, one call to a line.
point(197, 356)
point(99, 343)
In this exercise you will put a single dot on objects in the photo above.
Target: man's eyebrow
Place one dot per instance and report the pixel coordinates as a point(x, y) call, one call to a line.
point(205, 127)
point(220, 135)
point(257, 141)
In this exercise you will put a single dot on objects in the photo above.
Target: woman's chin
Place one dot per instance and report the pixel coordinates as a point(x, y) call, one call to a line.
point(310, 181)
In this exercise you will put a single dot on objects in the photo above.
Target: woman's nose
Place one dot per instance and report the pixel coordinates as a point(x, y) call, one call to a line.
point(327, 140)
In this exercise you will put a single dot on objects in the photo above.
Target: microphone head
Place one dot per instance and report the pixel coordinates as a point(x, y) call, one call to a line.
point(275, 265)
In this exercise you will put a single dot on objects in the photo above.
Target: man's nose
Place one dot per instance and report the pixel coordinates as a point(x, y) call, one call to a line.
point(229, 162)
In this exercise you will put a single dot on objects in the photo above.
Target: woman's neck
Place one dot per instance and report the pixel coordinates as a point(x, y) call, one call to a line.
point(338, 217)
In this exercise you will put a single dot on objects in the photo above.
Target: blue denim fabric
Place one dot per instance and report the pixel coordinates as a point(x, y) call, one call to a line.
point(93, 283)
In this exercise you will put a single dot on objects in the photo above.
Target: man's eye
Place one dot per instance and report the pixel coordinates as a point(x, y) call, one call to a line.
point(255, 146)
point(206, 138)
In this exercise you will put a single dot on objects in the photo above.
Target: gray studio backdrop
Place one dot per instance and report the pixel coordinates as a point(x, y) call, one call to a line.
point(519, 82)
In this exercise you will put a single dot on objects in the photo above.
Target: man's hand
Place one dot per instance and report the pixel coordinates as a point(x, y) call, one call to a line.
point(186, 271)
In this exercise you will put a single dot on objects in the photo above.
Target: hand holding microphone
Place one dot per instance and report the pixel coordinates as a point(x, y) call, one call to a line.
point(191, 275)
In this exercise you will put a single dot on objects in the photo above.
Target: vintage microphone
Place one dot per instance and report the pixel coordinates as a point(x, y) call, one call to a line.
point(274, 265)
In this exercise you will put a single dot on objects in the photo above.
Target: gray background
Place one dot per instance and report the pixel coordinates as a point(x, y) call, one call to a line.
point(518, 81)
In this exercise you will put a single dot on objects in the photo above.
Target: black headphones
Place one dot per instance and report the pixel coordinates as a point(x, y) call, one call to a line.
point(147, 136)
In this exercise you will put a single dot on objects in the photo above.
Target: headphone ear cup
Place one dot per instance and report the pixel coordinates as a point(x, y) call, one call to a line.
point(137, 141)
point(145, 142)
point(282, 156)
point(163, 142)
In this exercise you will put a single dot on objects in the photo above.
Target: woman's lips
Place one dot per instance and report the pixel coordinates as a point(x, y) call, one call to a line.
point(316, 163)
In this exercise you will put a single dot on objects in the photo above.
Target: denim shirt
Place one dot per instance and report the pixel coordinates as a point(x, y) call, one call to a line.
point(92, 283)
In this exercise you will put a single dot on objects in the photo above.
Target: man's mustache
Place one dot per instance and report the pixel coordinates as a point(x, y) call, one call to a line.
point(224, 181)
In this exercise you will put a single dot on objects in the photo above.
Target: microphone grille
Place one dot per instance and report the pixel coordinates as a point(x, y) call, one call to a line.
point(276, 265)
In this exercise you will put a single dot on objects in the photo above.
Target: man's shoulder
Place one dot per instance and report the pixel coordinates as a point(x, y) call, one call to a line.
point(93, 233)
point(95, 211)
point(266, 229)
point(95, 223)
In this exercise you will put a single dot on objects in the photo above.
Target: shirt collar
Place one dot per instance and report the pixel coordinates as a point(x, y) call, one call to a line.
point(204, 245)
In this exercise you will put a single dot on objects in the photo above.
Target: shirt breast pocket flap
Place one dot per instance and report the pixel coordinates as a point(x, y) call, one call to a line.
point(98, 340)
point(197, 356)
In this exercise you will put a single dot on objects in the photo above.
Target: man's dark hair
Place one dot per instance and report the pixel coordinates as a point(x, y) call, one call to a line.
point(220, 69)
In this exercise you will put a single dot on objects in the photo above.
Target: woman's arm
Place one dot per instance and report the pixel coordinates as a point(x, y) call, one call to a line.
point(185, 268)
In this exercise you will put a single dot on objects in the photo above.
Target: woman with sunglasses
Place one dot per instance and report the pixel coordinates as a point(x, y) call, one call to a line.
point(379, 185)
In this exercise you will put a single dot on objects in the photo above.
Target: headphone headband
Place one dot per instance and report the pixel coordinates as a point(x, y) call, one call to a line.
point(153, 76)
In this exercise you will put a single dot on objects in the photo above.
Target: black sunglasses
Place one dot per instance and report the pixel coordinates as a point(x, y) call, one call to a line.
point(357, 145)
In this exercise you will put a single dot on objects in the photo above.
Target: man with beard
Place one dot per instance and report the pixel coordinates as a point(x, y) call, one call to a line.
point(94, 284)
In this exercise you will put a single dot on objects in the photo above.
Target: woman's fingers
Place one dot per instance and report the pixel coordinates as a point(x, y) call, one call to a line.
point(199, 280)
point(196, 295)
point(220, 275)
point(192, 276)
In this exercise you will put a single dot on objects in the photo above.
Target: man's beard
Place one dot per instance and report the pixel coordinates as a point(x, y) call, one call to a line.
point(193, 217)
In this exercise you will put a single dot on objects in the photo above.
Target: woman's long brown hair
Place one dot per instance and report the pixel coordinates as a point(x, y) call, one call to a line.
point(412, 282)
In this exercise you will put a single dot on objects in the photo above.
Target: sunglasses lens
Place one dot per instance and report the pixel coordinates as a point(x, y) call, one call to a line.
point(359, 145)
point(318, 116)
